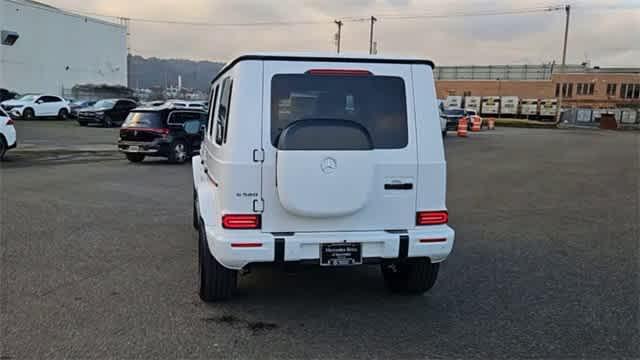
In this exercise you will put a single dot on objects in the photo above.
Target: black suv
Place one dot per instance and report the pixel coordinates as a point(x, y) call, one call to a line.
point(162, 131)
point(106, 112)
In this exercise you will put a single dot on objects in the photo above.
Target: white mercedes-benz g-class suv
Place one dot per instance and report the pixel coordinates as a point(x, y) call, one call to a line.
point(331, 160)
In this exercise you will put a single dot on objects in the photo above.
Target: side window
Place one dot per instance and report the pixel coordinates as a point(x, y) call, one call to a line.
point(180, 117)
point(222, 120)
point(212, 110)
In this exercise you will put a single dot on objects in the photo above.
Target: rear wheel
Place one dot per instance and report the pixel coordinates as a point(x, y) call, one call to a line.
point(135, 158)
point(82, 123)
point(28, 114)
point(444, 133)
point(178, 153)
point(63, 114)
point(216, 281)
point(3, 147)
point(108, 122)
point(413, 276)
point(196, 222)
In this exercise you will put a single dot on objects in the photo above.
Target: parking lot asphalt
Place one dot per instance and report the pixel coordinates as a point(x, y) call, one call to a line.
point(99, 261)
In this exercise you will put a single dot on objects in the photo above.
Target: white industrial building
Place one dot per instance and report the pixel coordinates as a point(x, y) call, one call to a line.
point(56, 50)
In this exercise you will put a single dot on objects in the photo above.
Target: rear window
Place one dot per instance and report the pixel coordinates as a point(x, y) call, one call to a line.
point(375, 103)
point(456, 112)
point(144, 120)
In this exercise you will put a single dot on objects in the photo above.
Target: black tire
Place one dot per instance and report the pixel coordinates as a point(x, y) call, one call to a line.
point(135, 158)
point(82, 123)
point(444, 133)
point(216, 281)
point(107, 121)
point(196, 221)
point(63, 114)
point(179, 152)
point(28, 114)
point(412, 276)
point(3, 147)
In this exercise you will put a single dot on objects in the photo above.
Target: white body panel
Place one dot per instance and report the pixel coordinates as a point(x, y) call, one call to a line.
point(548, 107)
point(299, 201)
point(509, 105)
point(491, 105)
point(473, 103)
point(453, 101)
point(529, 107)
point(39, 108)
point(58, 50)
point(7, 131)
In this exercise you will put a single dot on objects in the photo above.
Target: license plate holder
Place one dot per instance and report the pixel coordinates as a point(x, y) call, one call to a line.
point(340, 254)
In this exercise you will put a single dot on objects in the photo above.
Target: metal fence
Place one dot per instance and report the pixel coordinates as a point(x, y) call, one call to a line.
point(626, 117)
point(502, 72)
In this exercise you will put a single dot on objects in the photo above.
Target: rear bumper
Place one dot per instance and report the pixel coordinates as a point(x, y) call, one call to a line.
point(154, 148)
point(305, 247)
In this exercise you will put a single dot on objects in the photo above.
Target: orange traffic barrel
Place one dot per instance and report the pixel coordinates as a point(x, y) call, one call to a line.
point(476, 123)
point(492, 124)
point(462, 127)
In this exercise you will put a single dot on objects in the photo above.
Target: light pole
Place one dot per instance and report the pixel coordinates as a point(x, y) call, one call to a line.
point(373, 20)
point(567, 10)
point(339, 23)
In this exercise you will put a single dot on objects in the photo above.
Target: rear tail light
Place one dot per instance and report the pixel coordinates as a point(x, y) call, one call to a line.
point(432, 217)
point(10, 122)
point(246, 245)
point(241, 221)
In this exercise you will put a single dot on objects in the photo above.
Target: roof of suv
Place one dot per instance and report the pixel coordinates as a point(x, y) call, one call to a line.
point(324, 57)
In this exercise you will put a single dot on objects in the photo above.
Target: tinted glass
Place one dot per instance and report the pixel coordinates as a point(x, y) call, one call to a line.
point(107, 104)
point(28, 98)
point(180, 117)
point(457, 112)
point(144, 120)
point(377, 103)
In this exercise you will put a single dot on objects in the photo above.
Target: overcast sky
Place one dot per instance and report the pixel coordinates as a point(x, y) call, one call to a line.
point(604, 32)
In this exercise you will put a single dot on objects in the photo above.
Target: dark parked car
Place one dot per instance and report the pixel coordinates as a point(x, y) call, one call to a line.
point(163, 131)
point(7, 95)
point(76, 105)
point(107, 112)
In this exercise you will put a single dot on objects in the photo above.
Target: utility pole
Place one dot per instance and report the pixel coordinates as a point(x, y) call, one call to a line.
point(373, 20)
point(126, 22)
point(339, 23)
point(567, 10)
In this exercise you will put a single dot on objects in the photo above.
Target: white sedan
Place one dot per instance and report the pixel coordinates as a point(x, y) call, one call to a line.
point(7, 134)
point(31, 106)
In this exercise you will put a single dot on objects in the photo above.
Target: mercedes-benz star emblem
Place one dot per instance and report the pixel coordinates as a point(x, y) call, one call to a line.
point(328, 165)
point(135, 132)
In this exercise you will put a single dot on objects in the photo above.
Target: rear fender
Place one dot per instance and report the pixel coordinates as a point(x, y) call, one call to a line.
point(205, 192)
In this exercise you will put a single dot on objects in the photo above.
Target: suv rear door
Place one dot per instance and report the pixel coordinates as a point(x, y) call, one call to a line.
point(340, 147)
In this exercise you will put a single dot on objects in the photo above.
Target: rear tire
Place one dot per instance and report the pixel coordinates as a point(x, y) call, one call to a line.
point(82, 123)
point(135, 158)
point(63, 114)
point(216, 281)
point(444, 133)
point(178, 153)
point(3, 147)
point(108, 122)
point(413, 276)
point(196, 221)
point(28, 114)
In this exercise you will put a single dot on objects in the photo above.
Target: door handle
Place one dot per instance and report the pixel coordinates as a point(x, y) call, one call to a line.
point(399, 186)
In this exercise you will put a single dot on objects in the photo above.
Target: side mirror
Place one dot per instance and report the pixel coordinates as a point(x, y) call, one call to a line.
point(191, 127)
point(39, 102)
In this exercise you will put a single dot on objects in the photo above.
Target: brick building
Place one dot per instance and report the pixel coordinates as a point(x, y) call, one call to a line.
point(582, 86)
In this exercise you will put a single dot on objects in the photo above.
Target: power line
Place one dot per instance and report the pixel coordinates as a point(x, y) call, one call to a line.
point(322, 22)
